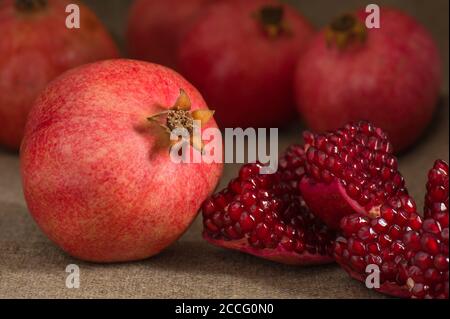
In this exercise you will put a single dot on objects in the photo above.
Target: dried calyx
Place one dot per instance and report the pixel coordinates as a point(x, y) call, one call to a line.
point(180, 116)
point(345, 30)
point(30, 5)
point(272, 20)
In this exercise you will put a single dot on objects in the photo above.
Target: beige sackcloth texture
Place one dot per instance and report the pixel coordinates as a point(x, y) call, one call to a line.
point(33, 267)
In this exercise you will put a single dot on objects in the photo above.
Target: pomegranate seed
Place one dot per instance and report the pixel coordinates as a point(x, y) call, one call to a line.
point(441, 262)
point(357, 247)
point(432, 226)
point(246, 222)
point(430, 244)
point(235, 211)
point(208, 208)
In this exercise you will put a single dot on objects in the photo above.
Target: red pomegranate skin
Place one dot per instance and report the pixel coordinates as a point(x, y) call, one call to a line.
point(156, 27)
point(392, 80)
point(97, 175)
point(244, 74)
point(36, 47)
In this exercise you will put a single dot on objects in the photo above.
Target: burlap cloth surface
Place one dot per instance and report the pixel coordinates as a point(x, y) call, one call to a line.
point(33, 267)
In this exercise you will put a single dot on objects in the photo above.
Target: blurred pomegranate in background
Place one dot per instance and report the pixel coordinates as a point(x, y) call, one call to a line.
point(35, 47)
point(390, 76)
point(242, 55)
point(155, 28)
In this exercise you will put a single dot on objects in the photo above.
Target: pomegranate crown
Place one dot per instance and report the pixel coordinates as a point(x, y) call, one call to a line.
point(272, 19)
point(345, 30)
point(180, 116)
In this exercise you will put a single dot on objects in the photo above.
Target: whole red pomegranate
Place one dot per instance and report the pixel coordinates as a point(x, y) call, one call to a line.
point(97, 173)
point(389, 76)
point(155, 28)
point(36, 47)
point(241, 55)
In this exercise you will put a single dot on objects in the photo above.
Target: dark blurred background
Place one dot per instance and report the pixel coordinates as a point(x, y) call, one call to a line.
point(433, 14)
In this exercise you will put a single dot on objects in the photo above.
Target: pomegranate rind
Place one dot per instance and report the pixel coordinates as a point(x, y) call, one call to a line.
point(279, 255)
point(329, 202)
point(387, 288)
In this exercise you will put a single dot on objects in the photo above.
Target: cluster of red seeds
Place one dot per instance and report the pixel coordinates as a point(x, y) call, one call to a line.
point(360, 157)
point(436, 200)
point(432, 254)
point(411, 252)
point(267, 210)
point(378, 241)
point(426, 268)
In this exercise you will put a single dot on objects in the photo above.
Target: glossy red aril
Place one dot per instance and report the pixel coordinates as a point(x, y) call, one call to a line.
point(410, 251)
point(351, 170)
point(265, 215)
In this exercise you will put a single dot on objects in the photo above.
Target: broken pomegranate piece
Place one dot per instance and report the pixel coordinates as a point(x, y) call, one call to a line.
point(352, 170)
point(410, 251)
point(265, 216)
